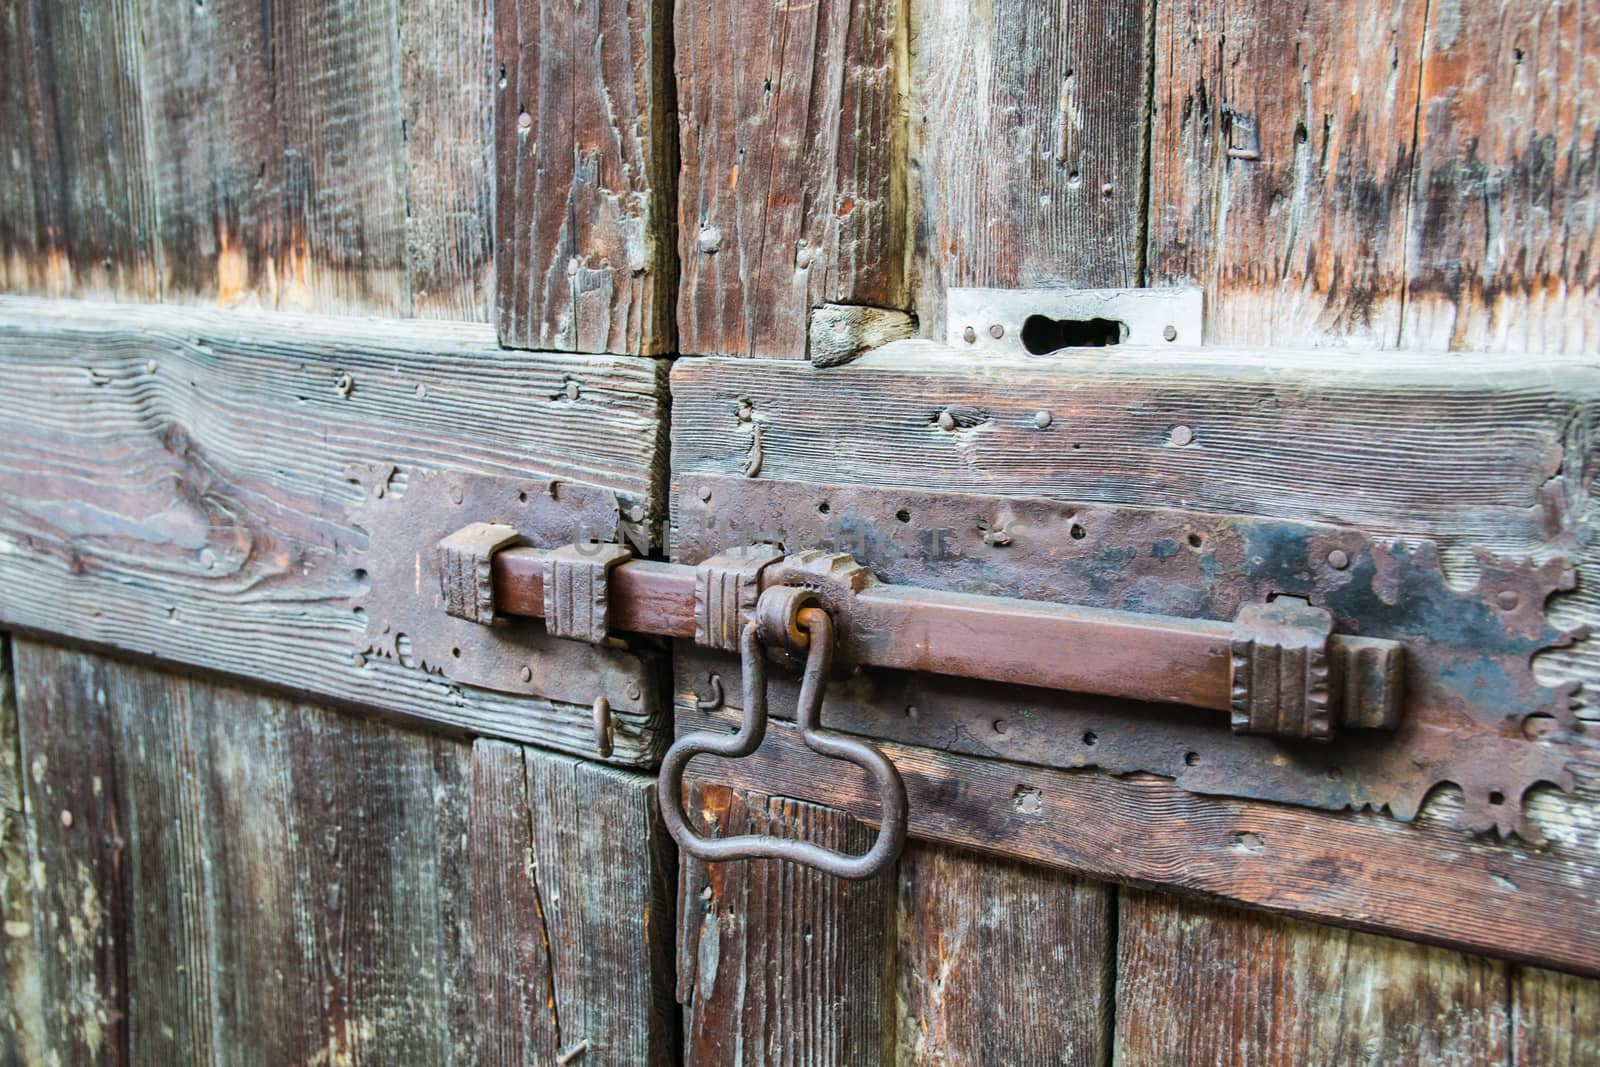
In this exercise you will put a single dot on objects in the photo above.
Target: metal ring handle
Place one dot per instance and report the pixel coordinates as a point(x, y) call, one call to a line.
point(752, 728)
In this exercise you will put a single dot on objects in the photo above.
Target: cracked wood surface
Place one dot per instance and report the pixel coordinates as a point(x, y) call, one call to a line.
point(583, 164)
point(177, 485)
point(218, 877)
point(792, 134)
point(1380, 174)
point(572, 911)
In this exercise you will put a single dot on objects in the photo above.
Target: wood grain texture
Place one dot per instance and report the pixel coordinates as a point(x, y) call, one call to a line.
point(267, 155)
point(1425, 881)
point(1503, 232)
point(1198, 983)
point(337, 96)
point(583, 157)
point(241, 879)
point(217, 164)
point(91, 143)
point(26, 237)
point(447, 78)
point(792, 139)
point(573, 911)
point(22, 1039)
point(177, 484)
point(1282, 151)
point(1001, 963)
point(778, 963)
point(1555, 1018)
point(273, 881)
point(1027, 146)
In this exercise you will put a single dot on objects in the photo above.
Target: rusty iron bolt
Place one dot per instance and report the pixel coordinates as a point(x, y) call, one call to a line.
point(1508, 600)
point(1338, 559)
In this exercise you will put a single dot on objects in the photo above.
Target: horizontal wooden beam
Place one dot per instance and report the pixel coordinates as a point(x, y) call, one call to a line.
point(1424, 881)
point(174, 484)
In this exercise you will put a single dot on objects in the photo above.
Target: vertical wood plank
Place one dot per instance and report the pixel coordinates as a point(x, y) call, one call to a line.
point(24, 234)
point(605, 866)
point(22, 1021)
point(92, 149)
point(218, 149)
point(337, 95)
point(1555, 1018)
point(1027, 146)
point(1504, 233)
point(792, 146)
point(514, 982)
point(1202, 983)
point(1281, 165)
point(779, 963)
point(227, 878)
point(77, 863)
point(583, 176)
point(447, 79)
point(1001, 963)
point(572, 910)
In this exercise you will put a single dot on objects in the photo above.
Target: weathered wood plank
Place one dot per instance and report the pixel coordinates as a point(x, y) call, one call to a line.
point(1426, 881)
point(573, 913)
point(260, 155)
point(177, 487)
point(447, 77)
point(25, 238)
point(584, 184)
point(792, 141)
point(1504, 225)
point(1282, 153)
point(218, 150)
point(259, 881)
point(91, 149)
point(1555, 1018)
point(22, 1016)
point(1001, 963)
point(605, 868)
point(513, 976)
point(77, 856)
point(1198, 983)
point(337, 95)
point(779, 963)
point(1027, 146)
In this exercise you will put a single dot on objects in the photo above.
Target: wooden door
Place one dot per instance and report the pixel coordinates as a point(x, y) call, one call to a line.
point(251, 252)
point(264, 261)
point(1389, 209)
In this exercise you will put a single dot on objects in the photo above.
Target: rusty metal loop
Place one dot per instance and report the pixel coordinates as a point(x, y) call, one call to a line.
point(753, 727)
point(778, 616)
